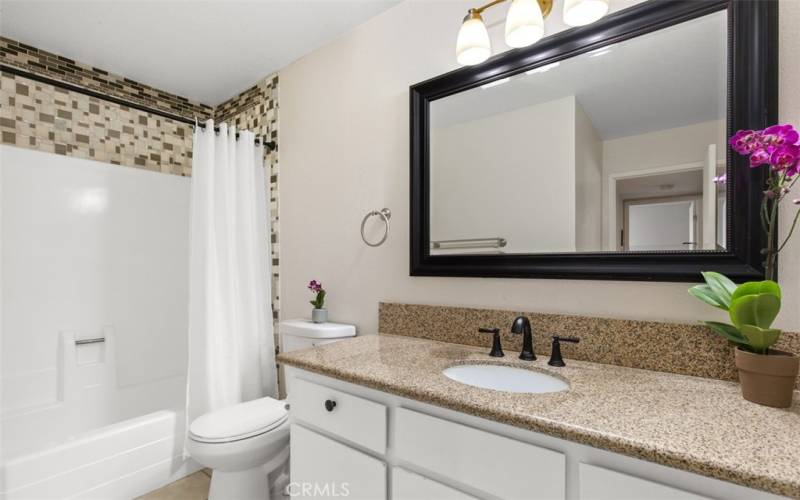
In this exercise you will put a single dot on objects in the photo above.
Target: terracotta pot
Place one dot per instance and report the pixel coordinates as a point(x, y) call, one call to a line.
point(767, 379)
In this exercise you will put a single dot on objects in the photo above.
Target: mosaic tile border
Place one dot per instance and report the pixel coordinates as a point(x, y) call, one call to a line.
point(41, 62)
point(651, 345)
point(47, 118)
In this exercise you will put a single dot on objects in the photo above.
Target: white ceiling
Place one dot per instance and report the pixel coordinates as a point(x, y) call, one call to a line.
point(204, 50)
point(670, 78)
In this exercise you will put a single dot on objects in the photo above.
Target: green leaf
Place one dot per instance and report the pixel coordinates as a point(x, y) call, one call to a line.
point(723, 287)
point(707, 295)
point(760, 338)
point(756, 310)
point(730, 332)
point(757, 287)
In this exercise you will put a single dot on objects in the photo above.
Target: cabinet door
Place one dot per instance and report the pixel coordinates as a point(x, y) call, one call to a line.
point(323, 468)
point(500, 466)
point(410, 486)
point(597, 483)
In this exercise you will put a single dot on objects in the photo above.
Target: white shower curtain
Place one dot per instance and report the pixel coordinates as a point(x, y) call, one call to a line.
point(231, 344)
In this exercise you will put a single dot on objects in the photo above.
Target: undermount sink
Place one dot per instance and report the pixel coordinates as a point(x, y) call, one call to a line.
point(505, 378)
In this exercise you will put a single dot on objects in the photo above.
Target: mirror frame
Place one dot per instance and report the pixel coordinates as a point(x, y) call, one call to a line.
point(752, 104)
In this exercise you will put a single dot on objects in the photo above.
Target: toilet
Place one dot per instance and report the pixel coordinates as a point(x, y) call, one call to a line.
point(247, 445)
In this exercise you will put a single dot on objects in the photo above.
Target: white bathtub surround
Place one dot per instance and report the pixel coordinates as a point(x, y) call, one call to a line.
point(231, 344)
point(103, 419)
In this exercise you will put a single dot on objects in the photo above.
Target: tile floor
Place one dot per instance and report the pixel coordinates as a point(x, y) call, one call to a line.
point(191, 487)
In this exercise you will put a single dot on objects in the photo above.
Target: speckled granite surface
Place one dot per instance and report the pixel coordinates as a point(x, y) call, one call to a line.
point(650, 345)
point(696, 424)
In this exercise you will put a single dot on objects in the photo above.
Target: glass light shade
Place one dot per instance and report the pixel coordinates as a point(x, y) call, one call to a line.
point(524, 23)
point(473, 45)
point(583, 12)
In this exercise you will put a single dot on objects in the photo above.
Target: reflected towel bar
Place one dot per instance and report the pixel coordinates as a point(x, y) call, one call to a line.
point(90, 341)
point(469, 243)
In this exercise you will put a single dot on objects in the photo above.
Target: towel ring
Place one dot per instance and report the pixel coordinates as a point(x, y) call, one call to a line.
point(385, 214)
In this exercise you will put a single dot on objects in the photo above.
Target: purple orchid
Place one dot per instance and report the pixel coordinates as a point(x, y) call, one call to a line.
point(779, 147)
point(721, 179)
point(785, 159)
point(316, 287)
point(745, 142)
point(759, 157)
point(779, 135)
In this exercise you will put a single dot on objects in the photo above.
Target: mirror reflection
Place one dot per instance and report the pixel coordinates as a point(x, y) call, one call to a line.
point(619, 149)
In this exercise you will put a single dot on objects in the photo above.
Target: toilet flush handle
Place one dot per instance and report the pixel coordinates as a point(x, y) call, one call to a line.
point(330, 404)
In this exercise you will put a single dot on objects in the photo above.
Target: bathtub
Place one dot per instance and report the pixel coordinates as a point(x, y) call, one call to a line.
point(98, 440)
point(93, 347)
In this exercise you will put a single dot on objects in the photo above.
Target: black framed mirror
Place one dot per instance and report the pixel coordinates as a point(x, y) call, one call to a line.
point(600, 152)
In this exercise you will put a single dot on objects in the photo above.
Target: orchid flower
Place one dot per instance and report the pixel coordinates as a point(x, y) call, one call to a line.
point(779, 147)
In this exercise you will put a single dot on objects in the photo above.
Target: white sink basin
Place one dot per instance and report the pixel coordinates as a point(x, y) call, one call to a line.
point(505, 378)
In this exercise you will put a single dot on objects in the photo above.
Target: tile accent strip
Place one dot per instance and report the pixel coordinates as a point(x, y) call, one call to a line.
point(20, 55)
point(650, 345)
point(47, 118)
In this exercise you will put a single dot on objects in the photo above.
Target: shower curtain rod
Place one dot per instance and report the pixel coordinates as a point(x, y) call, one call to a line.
point(269, 145)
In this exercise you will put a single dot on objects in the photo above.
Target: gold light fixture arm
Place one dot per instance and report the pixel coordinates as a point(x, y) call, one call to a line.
point(545, 5)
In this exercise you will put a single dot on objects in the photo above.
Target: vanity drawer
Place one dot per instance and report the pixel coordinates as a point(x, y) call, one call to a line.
point(597, 483)
point(498, 465)
point(355, 419)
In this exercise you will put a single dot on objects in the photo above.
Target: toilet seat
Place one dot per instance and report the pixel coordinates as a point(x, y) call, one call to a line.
point(241, 421)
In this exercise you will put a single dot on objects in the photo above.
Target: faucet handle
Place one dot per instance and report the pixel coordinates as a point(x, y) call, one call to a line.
point(574, 340)
point(497, 349)
point(555, 356)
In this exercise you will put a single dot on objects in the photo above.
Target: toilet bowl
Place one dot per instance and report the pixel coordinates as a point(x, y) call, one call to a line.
point(244, 445)
point(247, 444)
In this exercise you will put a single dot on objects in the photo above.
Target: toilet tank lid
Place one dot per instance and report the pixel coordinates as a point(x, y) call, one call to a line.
point(307, 328)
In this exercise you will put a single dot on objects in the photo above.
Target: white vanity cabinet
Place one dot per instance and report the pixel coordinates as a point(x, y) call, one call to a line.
point(381, 446)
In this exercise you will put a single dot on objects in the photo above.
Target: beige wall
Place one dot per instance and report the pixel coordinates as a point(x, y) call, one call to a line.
point(344, 148)
point(486, 178)
point(588, 179)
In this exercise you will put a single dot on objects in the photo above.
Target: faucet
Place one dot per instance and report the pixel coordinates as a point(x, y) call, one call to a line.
point(523, 325)
point(555, 356)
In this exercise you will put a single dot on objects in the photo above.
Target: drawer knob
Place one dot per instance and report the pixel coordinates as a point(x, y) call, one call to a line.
point(330, 404)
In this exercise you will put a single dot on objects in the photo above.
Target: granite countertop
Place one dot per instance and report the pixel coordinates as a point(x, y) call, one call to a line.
point(690, 423)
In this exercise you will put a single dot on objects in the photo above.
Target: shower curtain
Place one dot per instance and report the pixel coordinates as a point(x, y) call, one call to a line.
point(231, 343)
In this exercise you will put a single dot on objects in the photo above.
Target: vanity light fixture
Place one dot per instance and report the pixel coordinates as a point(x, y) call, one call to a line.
point(473, 46)
point(524, 25)
point(583, 12)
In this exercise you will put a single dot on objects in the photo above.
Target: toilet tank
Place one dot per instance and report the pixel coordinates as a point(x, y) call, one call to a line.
point(303, 333)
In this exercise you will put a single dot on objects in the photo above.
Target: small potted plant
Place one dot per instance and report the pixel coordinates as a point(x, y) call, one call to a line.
point(319, 314)
point(767, 375)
